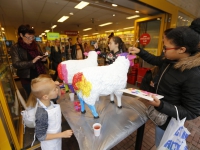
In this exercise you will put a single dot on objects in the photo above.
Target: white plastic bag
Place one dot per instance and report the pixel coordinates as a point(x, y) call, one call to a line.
point(175, 135)
point(28, 116)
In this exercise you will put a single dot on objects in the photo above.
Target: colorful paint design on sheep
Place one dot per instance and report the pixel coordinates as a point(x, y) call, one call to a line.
point(62, 72)
point(80, 83)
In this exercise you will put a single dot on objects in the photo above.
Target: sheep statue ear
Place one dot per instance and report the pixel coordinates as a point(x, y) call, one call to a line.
point(98, 52)
point(85, 53)
point(129, 57)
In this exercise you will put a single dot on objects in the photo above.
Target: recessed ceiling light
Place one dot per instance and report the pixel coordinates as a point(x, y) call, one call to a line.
point(43, 33)
point(87, 29)
point(128, 27)
point(2, 28)
point(114, 5)
point(81, 5)
point(71, 13)
point(46, 30)
point(113, 15)
point(94, 33)
point(53, 26)
point(105, 24)
point(63, 18)
point(132, 17)
point(137, 11)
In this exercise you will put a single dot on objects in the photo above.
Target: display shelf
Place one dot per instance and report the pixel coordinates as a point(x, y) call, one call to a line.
point(9, 104)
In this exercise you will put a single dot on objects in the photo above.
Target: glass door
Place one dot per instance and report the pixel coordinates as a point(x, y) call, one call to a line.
point(149, 33)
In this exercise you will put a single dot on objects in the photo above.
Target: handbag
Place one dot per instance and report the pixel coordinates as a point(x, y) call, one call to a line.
point(157, 117)
point(175, 135)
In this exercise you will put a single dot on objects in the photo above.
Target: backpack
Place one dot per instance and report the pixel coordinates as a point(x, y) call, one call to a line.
point(28, 116)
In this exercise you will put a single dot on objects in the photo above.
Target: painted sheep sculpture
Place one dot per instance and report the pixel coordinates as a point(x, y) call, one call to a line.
point(92, 82)
point(68, 68)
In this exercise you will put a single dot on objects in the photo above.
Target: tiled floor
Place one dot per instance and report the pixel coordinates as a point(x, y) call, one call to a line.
point(193, 141)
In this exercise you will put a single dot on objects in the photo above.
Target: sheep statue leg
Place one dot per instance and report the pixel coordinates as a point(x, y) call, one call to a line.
point(82, 105)
point(112, 98)
point(119, 96)
point(93, 110)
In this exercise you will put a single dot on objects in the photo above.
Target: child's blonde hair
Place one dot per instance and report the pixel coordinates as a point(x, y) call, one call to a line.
point(40, 90)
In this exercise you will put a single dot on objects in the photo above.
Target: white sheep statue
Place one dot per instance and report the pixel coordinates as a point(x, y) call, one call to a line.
point(92, 82)
point(68, 68)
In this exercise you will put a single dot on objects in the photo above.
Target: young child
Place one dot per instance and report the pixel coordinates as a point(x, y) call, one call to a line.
point(48, 115)
point(178, 76)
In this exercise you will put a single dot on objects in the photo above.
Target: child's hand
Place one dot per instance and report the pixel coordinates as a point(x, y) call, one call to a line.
point(67, 133)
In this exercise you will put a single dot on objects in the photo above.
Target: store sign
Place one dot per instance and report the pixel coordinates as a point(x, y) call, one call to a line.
point(53, 36)
point(145, 39)
point(71, 33)
point(63, 38)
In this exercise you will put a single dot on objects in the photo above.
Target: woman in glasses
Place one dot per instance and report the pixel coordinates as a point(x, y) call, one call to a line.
point(27, 57)
point(179, 78)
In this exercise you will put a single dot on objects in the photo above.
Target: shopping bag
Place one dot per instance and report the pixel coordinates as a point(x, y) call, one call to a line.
point(175, 135)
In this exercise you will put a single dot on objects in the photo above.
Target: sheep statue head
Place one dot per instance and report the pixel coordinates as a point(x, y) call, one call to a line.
point(68, 68)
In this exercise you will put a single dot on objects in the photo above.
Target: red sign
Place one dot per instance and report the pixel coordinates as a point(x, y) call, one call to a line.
point(71, 33)
point(145, 39)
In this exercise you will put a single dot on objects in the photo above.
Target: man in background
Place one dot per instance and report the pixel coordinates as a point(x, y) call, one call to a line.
point(78, 50)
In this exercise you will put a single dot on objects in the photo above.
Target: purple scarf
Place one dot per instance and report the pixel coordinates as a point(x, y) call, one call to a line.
point(32, 49)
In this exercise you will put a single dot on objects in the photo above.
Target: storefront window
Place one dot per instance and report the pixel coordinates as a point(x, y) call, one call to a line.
point(183, 20)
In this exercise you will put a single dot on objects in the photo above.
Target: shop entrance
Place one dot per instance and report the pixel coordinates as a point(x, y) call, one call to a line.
point(149, 33)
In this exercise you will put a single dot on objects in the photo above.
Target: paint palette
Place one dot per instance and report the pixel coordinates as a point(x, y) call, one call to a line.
point(141, 93)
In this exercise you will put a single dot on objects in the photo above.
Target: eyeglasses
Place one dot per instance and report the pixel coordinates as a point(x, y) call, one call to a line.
point(30, 38)
point(165, 48)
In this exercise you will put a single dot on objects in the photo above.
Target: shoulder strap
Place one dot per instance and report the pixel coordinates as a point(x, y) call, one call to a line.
point(36, 106)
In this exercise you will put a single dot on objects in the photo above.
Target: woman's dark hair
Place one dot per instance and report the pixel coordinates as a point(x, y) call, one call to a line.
point(187, 37)
point(23, 29)
point(167, 31)
point(111, 35)
point(119, 41)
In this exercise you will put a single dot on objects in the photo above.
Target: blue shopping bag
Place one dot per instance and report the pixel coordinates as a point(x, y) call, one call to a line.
point(175, 135)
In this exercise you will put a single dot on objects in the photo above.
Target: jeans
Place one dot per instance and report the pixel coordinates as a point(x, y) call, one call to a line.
point(159, 135)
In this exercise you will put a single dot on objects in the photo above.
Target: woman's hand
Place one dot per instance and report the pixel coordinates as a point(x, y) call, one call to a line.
point(36, 59)
point(44, 58)
point(133, 50)
point(155, 102)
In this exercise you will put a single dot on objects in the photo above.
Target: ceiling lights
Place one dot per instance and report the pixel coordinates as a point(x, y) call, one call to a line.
point(114, 5)
point(46, 30)
point(94, 33)
point(137, 11)
point(87, 29)
point(63, 18)
point(81, 5)
point(128, 28)
point(53, 26)
point(132, 17)
point(105, 24)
